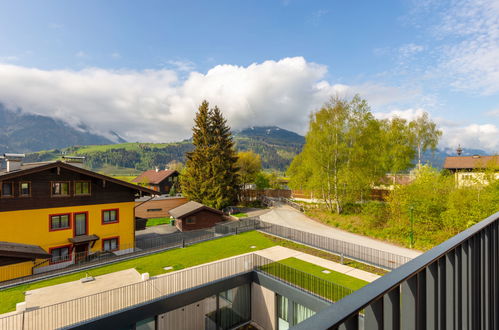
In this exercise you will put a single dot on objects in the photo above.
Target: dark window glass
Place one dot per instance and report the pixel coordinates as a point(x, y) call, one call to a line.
point(25, 188)
point(110, 216)
point(60, 254)
point(7, 189)
point(111, 244)
point(60, 188)
point(59, 221)
point(82, 188)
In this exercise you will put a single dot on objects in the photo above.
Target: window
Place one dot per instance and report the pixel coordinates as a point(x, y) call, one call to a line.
point(283, 319)
point(110, 216)
point(60, 189)
point(110, 244)
point(154, 210)
point(80, 220)
point(82, 188)
point(60, 254)
point(25, 189)
point(301, 313)
point(190, 221)
point(60, 221)
point(7, 189)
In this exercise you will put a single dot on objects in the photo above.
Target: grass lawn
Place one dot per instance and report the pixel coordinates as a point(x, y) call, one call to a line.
point(240, 215)
point(333, 286)
point(338, 278)
point(153, 264)
point(157, 221)
point(326, 255)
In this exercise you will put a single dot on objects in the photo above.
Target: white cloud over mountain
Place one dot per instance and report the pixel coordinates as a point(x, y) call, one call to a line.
point(155, 105)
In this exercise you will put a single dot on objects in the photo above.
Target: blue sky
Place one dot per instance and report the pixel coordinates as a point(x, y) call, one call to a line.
point(109, 63)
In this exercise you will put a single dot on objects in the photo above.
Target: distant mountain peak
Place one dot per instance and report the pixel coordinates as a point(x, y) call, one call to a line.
point(24, 132)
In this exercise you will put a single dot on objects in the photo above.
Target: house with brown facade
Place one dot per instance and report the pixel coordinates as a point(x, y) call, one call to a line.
point(159, 180)
point(194, 215)
point(470, 170)
point(157, 206)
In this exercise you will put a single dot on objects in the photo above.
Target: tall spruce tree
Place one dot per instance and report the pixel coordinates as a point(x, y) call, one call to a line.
point(196, 176)
point(224, 169)
point(210, 175)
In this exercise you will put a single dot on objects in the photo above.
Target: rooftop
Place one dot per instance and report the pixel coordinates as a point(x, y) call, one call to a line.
point(154, 177)
point(470, 162)
point(190, 208)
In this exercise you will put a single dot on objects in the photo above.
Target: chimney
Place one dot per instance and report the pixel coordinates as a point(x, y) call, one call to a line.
point(74, 160)
point(157, 169)
point(459, 150)
point(13, 161)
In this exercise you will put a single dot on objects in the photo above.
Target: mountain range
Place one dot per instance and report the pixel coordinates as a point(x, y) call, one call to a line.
point(46, 138)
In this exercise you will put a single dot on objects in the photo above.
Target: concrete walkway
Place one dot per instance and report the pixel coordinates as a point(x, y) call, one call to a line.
point(287, 216)
point(277, 253)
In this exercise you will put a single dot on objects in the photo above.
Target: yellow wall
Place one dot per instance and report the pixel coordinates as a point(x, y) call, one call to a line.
point(32, 226)
point(16, 270)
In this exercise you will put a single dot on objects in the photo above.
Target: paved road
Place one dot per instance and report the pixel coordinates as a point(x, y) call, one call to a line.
point(285, 215)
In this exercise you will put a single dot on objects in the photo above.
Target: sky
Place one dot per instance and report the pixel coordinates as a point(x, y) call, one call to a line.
point(141, 68)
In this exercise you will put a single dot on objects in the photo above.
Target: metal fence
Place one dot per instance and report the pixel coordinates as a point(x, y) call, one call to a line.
point(80, 261)
point(453, 286)
point(98, 305)
point(320, 287)
point(357, 252)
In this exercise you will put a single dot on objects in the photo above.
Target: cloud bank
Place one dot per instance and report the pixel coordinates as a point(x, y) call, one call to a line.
point(158, 106)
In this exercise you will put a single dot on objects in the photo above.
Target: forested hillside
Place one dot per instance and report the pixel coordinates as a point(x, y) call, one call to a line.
point(276, 147)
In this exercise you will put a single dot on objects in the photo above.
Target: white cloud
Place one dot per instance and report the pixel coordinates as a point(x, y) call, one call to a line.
point(155, 105)
point(116, 55)
point(474, 136)
point(182, 65)
point(494, 113)
point(468, 39)
point(410, 49)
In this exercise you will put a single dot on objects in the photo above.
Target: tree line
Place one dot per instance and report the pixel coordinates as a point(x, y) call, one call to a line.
point(348, 150)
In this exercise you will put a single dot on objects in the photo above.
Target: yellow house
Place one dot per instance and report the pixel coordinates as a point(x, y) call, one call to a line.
point(473, 170)
point(65, 210)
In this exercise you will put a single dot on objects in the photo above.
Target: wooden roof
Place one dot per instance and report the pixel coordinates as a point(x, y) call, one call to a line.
point(30, 168)
point(470, 162)
point(153, 177)
point(19, 250)
point(189, 208)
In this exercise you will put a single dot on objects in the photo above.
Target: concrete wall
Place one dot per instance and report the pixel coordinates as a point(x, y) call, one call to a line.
point(263, 307)
point(164, 204)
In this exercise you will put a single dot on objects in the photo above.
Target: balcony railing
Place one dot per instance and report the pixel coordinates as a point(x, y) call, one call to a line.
point(453, 286)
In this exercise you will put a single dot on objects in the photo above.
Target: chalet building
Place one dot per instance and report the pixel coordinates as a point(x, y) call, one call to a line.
point(471, 170)
point(61, 212)
point(193, 215)
point(160, 181)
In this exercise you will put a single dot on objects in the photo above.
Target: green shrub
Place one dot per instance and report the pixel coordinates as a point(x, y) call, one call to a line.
point(376, 213)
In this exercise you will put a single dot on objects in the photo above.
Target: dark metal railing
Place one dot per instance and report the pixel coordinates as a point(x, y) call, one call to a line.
point(453, 286)
point(379, 258)
point(327, 290)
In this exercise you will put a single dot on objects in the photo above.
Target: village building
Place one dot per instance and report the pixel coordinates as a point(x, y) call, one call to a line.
point(194, 215)
point(161, 181)
point(54, 214)
point(472, 170)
